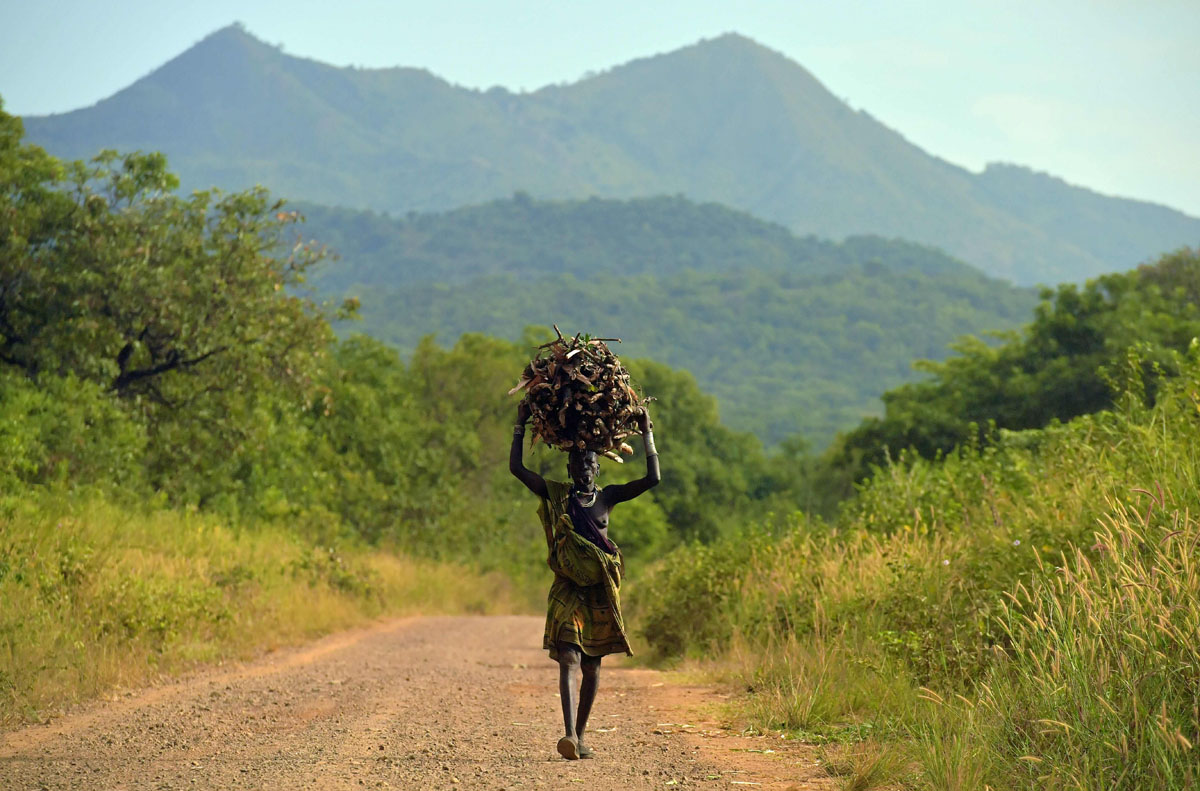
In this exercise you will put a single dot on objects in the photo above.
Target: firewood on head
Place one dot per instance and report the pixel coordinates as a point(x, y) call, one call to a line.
point(579, 395)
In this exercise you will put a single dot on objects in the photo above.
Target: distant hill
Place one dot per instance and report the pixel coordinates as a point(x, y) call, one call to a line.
point(523, 237)
point(725, 120)
point(791, 334)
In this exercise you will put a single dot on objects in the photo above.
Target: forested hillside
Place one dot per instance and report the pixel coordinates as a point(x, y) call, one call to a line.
point(724, 120)
point(793, 335)
point(524, 237)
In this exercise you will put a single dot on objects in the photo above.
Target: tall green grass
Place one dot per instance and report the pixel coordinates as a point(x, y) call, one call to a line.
point(1101, 684)
point(97, 595)
point(1025, 615)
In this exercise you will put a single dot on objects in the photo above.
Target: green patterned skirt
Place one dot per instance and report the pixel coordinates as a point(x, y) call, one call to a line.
point(584, 605)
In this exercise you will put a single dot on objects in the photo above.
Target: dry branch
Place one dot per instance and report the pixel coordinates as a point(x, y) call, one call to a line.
point(579, 396)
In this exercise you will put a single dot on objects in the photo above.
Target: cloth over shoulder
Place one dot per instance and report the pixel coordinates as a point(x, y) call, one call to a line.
point(584, 605)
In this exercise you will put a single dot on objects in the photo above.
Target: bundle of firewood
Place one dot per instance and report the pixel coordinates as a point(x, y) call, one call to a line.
point(579, 396)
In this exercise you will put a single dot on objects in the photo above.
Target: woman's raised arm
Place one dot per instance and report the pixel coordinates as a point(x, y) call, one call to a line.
point(516, 464)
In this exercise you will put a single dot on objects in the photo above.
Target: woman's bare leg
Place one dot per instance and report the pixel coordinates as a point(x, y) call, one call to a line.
point(569, 662)
point(587, 696)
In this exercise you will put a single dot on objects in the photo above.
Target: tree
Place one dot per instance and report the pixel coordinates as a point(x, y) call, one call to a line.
point(183, 308)
point(1060, 366)
point(157, 296)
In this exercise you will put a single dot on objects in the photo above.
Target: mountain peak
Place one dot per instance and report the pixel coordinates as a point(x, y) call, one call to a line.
point(735, 58)
point(214, 69)
point(231, 40)
point(232, 31)
point(730, 38)
point(736, 45)
point(729, 62)
point(735, 40)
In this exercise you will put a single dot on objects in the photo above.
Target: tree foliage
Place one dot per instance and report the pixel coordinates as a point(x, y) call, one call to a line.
point(175, 305)
point(1065, 363)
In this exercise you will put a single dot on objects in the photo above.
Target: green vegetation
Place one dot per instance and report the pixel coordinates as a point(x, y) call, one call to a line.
point(1020, 613)
point(190, 454)
point(182, 477)
point(724, 120)
point(792, 335)
point(1059, 366)
point(527, 238)
point(193, 465)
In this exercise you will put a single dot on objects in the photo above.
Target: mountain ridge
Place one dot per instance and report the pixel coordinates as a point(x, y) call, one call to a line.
point(725, 120)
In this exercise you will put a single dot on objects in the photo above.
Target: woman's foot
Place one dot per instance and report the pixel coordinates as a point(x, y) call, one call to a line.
point(585, 751)
point(568, 748)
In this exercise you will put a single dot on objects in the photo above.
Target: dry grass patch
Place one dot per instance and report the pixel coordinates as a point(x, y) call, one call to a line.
point(97, 596)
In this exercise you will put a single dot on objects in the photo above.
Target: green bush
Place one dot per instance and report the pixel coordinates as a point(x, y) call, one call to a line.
point(66, 431)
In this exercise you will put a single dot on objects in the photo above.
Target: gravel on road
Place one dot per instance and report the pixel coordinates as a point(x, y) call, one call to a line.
point(415, 703)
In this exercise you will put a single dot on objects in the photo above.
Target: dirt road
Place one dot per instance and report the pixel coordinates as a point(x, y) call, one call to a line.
point(410, 704)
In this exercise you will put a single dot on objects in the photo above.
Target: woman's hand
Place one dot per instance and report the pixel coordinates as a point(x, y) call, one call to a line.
point(523, 412)
point(644, 422)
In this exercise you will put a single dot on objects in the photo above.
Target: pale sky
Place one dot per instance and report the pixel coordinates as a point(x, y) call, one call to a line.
point(1103, 93)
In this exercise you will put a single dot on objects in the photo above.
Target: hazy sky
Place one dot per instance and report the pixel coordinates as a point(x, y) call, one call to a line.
point(1104, 93)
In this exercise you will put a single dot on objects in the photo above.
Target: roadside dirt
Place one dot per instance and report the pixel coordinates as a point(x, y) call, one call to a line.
point(416, 703)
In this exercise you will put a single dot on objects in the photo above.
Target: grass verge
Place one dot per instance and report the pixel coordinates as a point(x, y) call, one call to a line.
point(97, 595)
point(1022, 616)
